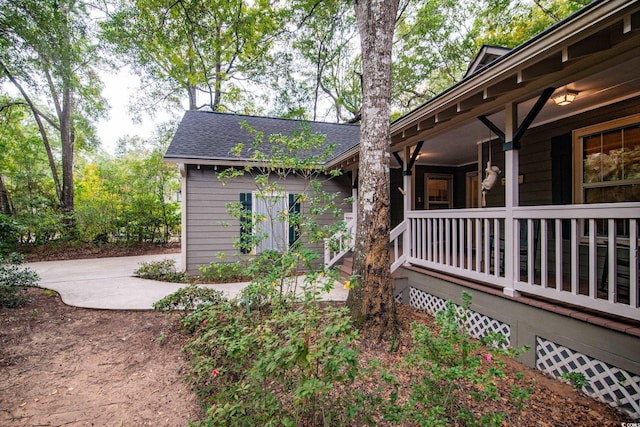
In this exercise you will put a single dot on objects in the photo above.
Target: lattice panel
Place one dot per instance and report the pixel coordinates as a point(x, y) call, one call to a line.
point(477, 324)
point(606, 383)
point(399, 298)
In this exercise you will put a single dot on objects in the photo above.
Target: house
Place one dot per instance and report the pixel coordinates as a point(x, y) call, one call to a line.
point(203, 147)
point(552, 259)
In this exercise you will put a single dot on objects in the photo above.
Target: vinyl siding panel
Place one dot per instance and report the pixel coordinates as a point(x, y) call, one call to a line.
point(211, 231)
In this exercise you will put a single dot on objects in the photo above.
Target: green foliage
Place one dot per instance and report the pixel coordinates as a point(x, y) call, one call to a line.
point(446, 366)
point(274, 366)
point(208, 47)
point(188, 299)
point(9, 234)
point(576, 379)
point(129, 197)
point(224, 272)
point(14, 279)
point(164, 270)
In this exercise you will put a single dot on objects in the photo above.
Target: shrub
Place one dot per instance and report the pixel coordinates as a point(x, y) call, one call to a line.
point(446, 365)
point(188, 299)
point(291, 367)
point(14, 280)
point(164, 270)
point(224, 272)
point(9, 234)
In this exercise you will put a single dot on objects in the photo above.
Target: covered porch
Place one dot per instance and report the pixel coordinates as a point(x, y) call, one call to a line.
point(555, 225)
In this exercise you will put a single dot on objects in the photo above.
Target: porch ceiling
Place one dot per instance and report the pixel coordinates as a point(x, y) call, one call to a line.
point(601, 63)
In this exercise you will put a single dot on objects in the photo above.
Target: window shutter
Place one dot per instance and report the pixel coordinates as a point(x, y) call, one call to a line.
point(245, 223)
point(294, 208)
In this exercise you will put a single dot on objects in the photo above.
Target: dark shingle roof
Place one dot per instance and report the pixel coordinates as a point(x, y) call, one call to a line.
point(204, 135)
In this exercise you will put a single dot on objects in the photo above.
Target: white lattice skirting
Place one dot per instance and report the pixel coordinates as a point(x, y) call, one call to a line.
point(606, 383)
point(477, 324)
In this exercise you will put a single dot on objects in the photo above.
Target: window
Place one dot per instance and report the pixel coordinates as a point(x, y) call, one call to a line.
point(268, 218)
point(438, 191)
point(608, 162)
point(607, 166)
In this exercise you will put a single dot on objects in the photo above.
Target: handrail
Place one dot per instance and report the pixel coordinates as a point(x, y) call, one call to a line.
point(399, 258)
point(345, 243)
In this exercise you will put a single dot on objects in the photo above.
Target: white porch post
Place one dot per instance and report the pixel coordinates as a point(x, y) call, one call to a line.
point(511, 171)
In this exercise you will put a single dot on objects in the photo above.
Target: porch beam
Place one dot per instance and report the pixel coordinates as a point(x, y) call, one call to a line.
point(512, 142)
point(524, 126)
point(414, 157)
point(495, 129)
point(399, 159)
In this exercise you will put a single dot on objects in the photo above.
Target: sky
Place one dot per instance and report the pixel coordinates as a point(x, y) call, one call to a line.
point(119, 87)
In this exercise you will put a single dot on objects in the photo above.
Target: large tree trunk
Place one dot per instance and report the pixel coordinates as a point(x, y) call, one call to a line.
point(371, 300)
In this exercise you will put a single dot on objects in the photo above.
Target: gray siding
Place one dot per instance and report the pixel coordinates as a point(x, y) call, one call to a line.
point(535, 153)
point(210, 230)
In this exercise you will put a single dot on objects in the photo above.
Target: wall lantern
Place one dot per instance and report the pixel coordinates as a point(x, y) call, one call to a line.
point(565, 97)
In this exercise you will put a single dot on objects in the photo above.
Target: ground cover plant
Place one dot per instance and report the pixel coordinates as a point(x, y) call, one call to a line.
point(14, 280)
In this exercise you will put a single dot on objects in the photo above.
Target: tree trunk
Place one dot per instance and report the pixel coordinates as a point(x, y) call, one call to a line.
point(5, 200)
point(371, 300)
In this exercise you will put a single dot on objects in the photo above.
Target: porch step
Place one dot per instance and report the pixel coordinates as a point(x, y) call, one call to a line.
point(400, 281)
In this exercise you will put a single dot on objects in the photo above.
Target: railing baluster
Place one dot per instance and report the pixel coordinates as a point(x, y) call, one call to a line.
point(440, 240)
point(469, 243)
point(613, 261)
point(461, 238)
point(531, 253)
point(487, 248)
point(447, 241)
point(496, 247)
point(558, 265)
point(454, 241)
point(633, 263)
point(574, 256)
point(478, 243)
point(544, 267)
point(593, 259)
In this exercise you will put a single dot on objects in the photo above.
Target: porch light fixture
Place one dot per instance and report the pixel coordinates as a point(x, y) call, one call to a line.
point(565, 97)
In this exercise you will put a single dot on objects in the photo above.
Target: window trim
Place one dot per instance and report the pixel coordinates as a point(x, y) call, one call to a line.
point(578, 161)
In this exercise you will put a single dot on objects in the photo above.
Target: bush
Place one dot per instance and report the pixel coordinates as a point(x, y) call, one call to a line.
point(9, 234)
point(224, 272)
point(188, 299)
point(447, 365)
point(14, 280)
point(164, 270)
point(291, 367)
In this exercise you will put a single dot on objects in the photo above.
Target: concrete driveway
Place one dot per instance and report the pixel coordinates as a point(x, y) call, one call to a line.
point(108, 283)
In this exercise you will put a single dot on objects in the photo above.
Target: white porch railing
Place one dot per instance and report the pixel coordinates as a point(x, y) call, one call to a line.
point(586, 255)
point(336, 246)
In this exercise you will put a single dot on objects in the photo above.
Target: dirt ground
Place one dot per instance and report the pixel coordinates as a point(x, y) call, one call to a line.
point(66, 366)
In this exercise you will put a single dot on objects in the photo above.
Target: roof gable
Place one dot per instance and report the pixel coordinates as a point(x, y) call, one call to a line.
point(485, 56)
point(203, 135)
